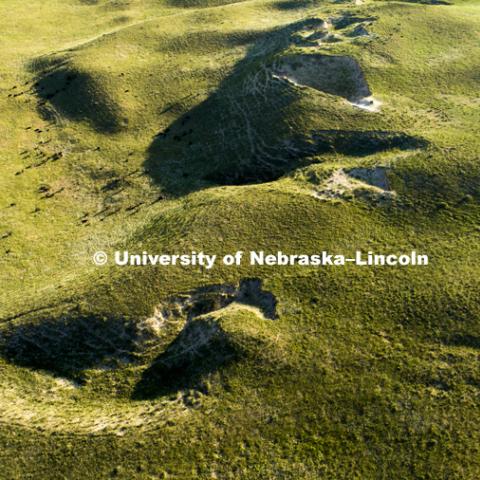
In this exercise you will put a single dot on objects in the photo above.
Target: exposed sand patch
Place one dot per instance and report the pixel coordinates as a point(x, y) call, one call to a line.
point(376, 177)
point(207, 300)
point(336, 185)
point(337, 75)
point(187, 325)
point(345, 182)
point(333, 74)
point(370, 104)
point(65, 383)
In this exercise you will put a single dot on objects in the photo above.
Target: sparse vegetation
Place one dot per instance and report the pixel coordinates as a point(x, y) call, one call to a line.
point(171, 126)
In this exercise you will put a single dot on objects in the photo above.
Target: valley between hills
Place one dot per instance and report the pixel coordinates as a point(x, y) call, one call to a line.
point(293, 126)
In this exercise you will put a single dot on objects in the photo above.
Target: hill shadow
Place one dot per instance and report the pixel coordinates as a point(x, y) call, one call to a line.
point(293, 4)
point(463, 340)
point(200, 349)
point(243, 132)
point(73, 94)
point(69, 345)
point(211, 298)
point(429, 2)
point(203, 346)
point(74, 342)
point(200, 3)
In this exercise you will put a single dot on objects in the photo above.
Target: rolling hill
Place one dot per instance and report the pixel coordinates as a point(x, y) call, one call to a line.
point(172, 126)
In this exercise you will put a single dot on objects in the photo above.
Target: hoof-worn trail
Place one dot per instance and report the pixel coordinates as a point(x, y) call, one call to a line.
point(275, 126)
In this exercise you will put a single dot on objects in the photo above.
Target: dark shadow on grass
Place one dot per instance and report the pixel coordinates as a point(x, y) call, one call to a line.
point(210, 298)
point(72, 343)
point(463, 340)
point(75, 95)
point(201, 349)
point(69, 345)
point(354, 143)
point(347, 19)
point(200, 3)
point(241, 134)
point(428, 2)
point(198, 42)
point(294, 4)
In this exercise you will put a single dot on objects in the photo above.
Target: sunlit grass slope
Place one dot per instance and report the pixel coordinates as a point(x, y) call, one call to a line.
point(300, 126)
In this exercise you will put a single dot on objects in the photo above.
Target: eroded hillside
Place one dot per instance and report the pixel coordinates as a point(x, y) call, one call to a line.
point(216, 126)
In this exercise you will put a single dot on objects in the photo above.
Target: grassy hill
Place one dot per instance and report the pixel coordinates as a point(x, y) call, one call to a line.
point(298, 126)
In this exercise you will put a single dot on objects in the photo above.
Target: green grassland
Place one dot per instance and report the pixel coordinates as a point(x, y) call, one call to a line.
point(179, 125)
